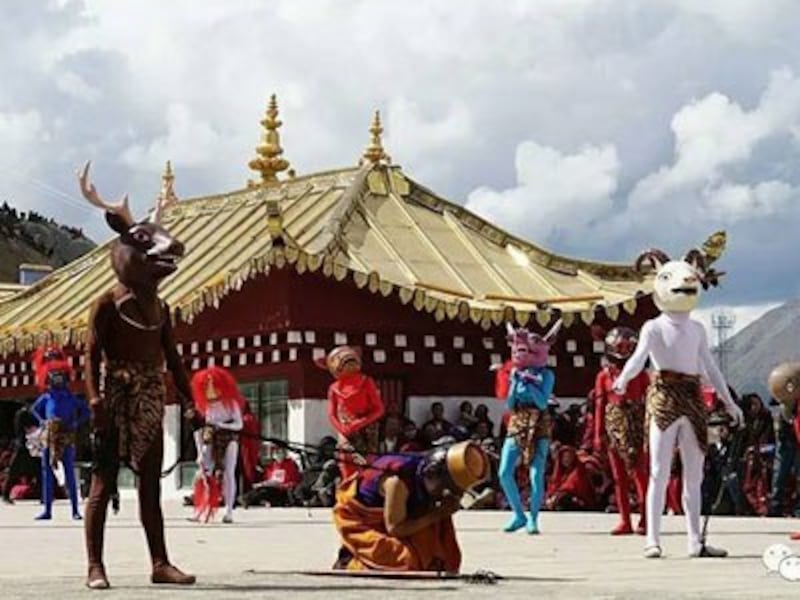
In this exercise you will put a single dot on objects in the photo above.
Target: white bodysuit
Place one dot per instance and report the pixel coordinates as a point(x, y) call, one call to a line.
point(675, 342)
point(222, 417)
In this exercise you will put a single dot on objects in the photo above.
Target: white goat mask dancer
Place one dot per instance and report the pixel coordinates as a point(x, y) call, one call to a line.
point(678, 282)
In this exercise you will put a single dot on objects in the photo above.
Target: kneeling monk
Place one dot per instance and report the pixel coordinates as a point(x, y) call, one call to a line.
point(396, 514)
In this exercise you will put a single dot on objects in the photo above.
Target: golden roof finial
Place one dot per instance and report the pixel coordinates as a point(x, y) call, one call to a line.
point(375, 153)
point(167, 196)
point(269, 162)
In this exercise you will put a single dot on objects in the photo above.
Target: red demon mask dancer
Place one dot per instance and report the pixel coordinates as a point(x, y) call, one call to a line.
point(215, 384)
point(47, 360)
point(341, 361)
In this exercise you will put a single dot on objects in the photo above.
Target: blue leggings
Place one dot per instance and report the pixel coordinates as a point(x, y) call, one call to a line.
point(49, 480)
point(508, 462)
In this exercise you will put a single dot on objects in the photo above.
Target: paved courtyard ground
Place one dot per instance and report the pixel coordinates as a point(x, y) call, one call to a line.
point(255, 558)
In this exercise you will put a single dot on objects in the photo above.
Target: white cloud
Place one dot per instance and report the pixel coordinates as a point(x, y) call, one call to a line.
point(592, 85)
point(746, 19)
point(74, 85)
point(20, 133)
point(187, 136)
point(715, 132)
point(554, 191)
point(730, 203)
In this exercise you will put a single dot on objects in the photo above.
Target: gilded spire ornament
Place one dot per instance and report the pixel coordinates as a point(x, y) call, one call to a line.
point(167, 196)
point(269, 163)
point(374, 153)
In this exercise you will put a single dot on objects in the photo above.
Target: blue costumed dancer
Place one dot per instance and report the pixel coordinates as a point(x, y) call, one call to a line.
point(526, 383)
point(61, 414)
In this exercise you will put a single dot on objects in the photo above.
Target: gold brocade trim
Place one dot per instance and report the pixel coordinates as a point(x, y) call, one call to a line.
point(210, 295)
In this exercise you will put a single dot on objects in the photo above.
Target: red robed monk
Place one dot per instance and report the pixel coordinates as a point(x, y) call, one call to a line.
point(396, 514)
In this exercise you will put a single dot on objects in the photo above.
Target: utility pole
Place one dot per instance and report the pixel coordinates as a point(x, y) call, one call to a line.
point(722, 322)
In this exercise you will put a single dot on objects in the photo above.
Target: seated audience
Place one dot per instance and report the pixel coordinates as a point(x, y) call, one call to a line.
point(411, 438)
point(466, 418)
point(570, 486)
point(437, 423)
point(392, 435)
point(482, 416)
point(280, 478)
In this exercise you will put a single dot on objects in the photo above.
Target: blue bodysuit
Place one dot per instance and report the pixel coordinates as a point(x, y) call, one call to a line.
point(529, 388)
point(62, 404)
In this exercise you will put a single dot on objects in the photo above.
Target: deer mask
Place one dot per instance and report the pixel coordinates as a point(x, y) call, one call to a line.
point(145, 252)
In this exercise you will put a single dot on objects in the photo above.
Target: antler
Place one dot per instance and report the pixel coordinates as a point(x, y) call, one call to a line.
point(89, 192)
point(697, 258)
point(709, 277)
point(652, 256)
point(158, 211)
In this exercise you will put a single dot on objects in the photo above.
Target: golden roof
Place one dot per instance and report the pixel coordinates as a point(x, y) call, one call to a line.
point(9, 289)
point(370, 223)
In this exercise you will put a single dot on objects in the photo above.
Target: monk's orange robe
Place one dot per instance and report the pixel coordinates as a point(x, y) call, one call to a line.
point(363, 533)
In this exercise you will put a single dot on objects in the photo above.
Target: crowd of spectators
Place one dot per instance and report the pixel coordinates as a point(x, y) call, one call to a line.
point(753, 471)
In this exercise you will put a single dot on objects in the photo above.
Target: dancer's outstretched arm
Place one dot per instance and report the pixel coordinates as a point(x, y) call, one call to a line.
point(716, 377)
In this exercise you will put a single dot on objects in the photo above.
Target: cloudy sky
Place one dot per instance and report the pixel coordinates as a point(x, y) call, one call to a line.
point(594, 127)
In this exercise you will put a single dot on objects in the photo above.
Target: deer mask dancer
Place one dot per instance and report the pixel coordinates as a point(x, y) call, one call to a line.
point(130, 331)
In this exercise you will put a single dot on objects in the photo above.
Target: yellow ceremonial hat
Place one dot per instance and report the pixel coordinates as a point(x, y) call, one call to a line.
point(467, 464)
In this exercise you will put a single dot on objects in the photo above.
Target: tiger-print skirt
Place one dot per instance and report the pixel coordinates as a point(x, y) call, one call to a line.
point(364, 441)
point(528, 425)
point(134, 401)
point(218, 440)
point(55, 438)
point(625, 430)
point(673, 395)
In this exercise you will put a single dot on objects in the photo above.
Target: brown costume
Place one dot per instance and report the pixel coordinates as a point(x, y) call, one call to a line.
point(130, 334)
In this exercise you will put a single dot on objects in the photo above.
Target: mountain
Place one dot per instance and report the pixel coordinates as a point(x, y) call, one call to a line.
point(761, 346)
point(32, 238)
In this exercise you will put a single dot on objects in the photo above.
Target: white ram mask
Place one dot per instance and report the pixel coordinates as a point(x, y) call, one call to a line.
point(678, 282)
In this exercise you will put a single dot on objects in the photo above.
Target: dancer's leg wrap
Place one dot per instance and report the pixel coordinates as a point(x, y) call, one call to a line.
point(69, 475)
point(150, 502)
point(538, 467)
point(661, 446)
point(229, 477)
point(508, 462)
point(48, 483)
point(693, 460)
point(621, 486)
